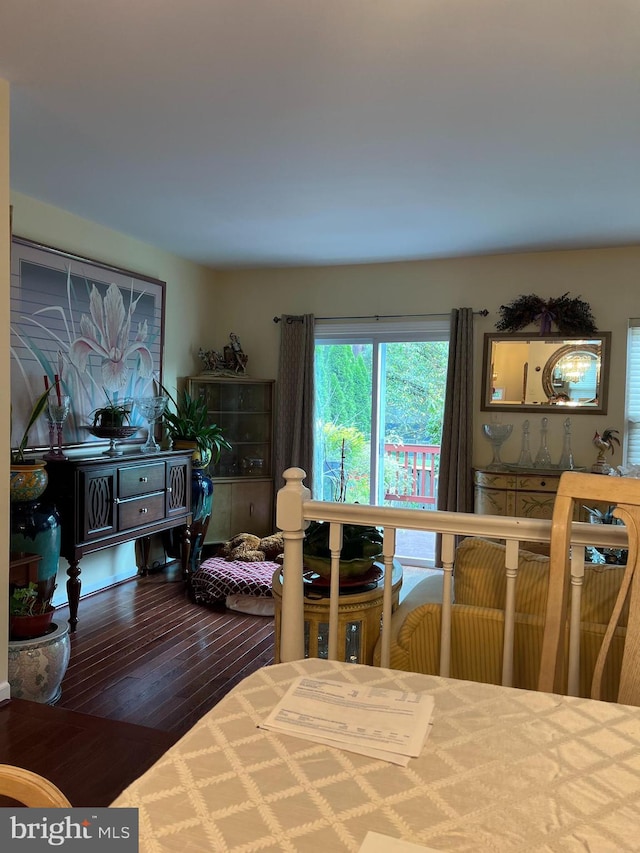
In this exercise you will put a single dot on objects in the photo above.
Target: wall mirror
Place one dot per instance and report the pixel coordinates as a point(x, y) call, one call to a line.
point(525, 372)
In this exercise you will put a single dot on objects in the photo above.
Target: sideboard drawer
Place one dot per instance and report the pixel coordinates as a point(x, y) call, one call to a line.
point(141, 479)
point(137, 512)
point(538, 483)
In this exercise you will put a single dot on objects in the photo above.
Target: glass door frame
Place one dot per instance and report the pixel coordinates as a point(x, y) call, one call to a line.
point(375, 334)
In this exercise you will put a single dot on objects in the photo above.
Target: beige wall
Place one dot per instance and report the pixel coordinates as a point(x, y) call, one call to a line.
point(4, 381)
point(607, 279)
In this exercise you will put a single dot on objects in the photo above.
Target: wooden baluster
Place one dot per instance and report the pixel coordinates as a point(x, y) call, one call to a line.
point(511, 568)
point(448, 551)
point(335, 546)
point(388, 552)
point(289, 519)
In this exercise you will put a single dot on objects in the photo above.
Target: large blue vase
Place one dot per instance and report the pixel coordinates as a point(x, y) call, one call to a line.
point(35, 529)
point(201, 502)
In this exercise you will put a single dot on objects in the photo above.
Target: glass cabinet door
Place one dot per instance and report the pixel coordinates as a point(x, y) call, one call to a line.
point(244, 411)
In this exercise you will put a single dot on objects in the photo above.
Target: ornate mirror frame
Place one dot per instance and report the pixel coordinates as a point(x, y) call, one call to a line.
point(520, 373)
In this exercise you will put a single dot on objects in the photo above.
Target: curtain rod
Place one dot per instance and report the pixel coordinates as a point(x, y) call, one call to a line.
point(483, 313)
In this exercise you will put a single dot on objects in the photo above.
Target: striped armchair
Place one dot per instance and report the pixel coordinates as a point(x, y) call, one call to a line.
point(479, 588)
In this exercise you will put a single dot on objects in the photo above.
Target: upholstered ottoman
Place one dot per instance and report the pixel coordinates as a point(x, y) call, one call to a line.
point(241, 586)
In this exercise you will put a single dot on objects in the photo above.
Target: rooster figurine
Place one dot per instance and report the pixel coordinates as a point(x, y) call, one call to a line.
point(604, 443)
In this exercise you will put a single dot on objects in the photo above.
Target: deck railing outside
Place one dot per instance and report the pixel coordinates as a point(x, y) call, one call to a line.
point(412, 473)
point(295, 509)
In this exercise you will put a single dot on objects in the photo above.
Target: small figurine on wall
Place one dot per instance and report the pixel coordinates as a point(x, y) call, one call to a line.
point(234, 357)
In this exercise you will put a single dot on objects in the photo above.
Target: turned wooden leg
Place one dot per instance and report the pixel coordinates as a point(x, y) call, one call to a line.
point(185, 555)
point(145, 547)
point(73, 592)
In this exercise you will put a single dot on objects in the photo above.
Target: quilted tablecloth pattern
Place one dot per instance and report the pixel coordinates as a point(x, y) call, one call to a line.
point(502, 770)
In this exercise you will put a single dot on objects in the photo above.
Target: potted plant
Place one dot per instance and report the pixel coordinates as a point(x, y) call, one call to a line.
point(35, 523)
point(30, 614)
point(18, 453)
point(361, 544)
point(190, 427)
point(39, 653)
point(113, 415)
point(39, 649)
point(28, 477)
point(190, 423)
point(361, 547)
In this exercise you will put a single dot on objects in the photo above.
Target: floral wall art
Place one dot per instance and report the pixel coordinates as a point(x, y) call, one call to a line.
point(97, 329)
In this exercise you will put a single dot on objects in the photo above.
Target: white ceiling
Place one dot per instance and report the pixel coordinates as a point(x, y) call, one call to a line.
point(277, 132)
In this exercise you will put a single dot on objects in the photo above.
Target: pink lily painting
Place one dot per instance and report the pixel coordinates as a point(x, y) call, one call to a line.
point(106, 333)
point(96, 330)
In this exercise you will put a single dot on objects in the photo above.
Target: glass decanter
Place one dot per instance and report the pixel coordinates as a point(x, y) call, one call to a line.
point(525, 460)
point(543, 458)
point(566, 462)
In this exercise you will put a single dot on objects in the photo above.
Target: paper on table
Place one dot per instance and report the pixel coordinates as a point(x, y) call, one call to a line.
point(388, 724)
point(374, 842)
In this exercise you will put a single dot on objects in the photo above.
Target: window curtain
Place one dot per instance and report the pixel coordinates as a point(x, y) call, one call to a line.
point(293, 440)
point(455, 486)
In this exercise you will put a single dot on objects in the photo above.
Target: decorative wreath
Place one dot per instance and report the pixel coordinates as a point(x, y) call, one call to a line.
point(571, 316)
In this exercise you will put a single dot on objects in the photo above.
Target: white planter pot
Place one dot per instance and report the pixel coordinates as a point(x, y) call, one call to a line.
point(37, 667)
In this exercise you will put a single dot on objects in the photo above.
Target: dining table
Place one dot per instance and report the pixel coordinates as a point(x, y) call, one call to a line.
point(502, 769)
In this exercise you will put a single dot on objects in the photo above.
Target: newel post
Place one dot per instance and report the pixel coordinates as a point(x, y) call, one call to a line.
point(289, 519)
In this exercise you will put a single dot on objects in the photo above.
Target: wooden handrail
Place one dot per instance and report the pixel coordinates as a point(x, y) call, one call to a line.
point(295, 510)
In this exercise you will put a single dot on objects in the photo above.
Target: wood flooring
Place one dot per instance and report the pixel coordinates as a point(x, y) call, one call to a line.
point(144, 653)
point(146, 663)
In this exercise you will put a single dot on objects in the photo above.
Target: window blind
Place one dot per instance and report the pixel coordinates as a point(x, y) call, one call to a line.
point(632, 397)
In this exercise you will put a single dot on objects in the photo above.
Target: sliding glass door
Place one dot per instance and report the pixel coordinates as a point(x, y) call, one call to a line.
point(378, 419)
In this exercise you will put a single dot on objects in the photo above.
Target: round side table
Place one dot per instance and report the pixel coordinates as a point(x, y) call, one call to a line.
point(359, 615)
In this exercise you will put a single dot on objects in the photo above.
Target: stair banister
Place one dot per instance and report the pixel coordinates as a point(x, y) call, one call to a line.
point(295, 510)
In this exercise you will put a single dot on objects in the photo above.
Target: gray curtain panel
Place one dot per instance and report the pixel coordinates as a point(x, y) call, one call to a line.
point(293, 444)
point(455, 485)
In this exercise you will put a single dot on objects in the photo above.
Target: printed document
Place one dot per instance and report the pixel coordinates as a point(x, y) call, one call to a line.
point(374, 721)
point(376, 843)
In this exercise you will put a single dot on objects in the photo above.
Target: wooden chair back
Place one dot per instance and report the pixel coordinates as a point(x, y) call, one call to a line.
point(30, 788)
point(624, 493)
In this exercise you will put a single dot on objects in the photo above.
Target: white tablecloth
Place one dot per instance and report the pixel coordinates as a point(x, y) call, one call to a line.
point(503, 769)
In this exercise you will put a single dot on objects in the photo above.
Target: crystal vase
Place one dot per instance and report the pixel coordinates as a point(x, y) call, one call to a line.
point(497, 434)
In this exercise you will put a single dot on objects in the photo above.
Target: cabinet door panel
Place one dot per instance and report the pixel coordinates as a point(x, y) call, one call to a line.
point(220, 523)
point(178, 487)
point(534, 505)
point(251, 508)
point(97, 503)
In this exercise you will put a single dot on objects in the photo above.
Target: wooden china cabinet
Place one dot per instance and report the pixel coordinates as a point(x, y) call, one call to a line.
point(243, 492)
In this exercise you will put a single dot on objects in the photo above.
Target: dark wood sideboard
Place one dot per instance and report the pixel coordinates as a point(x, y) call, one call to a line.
point(105, 500)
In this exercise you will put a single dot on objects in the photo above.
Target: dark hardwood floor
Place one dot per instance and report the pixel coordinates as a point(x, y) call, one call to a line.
point(146, 663)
